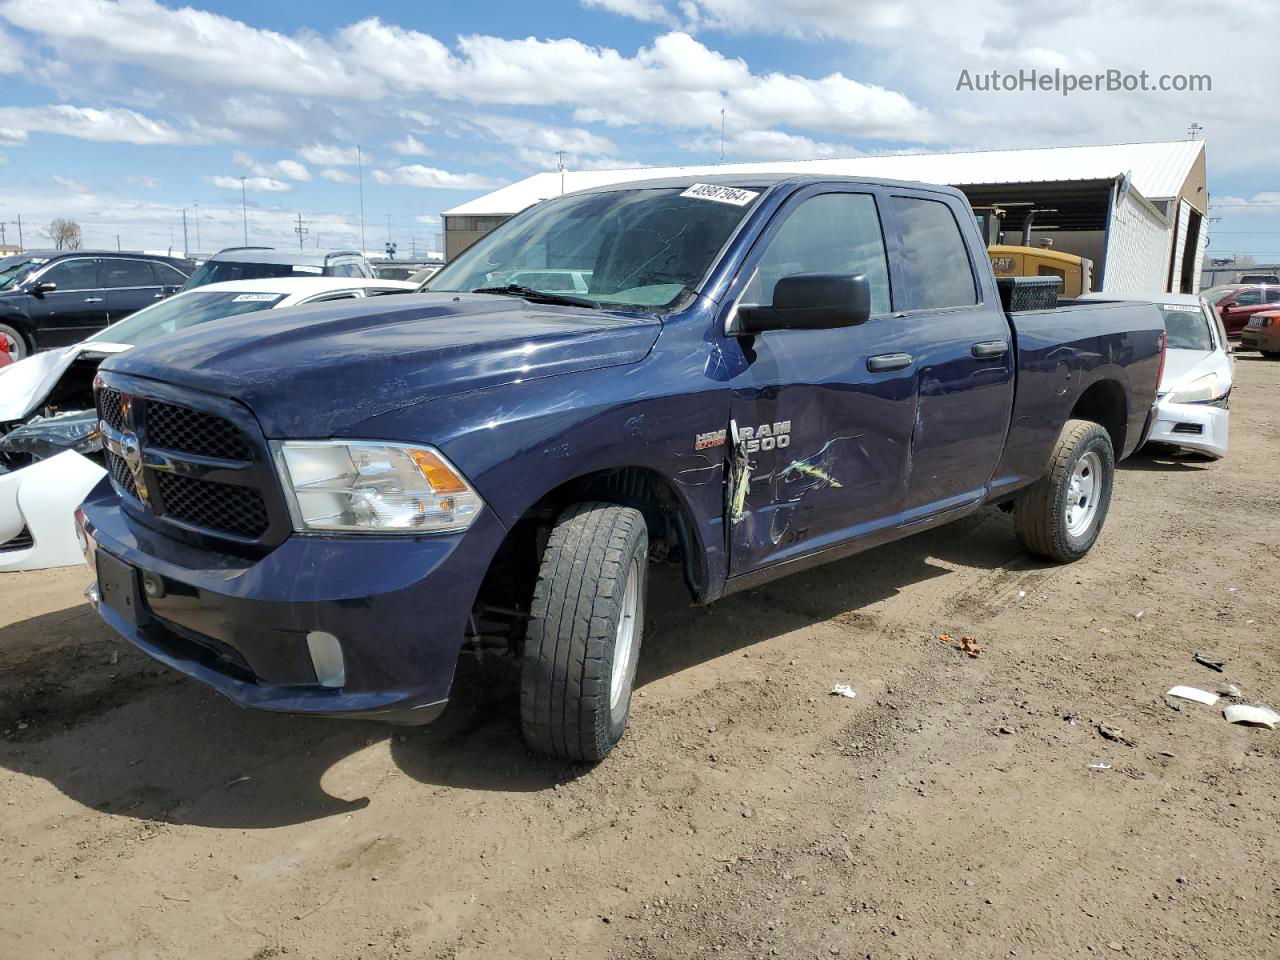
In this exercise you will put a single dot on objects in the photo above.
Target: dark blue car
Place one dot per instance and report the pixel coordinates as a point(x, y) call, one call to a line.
point(317, 510)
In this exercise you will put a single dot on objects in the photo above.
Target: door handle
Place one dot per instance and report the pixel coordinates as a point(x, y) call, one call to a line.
point(92, 299)
point(990, 349)
point(889, 361)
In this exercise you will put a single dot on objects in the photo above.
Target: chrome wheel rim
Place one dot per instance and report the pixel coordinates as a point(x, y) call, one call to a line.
point(1083, 492)
point(624, 638)
point(15, 348)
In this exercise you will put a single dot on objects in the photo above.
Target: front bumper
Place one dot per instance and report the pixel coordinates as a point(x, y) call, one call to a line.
point(1199, 427)
point(1260, 338)
point(397, 606)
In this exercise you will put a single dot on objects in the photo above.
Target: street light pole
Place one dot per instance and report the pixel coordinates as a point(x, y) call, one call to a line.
point(244, 212)
point(360, 174)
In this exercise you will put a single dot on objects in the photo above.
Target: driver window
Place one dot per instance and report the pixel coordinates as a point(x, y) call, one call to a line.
point(829, 233)
point(73, 275)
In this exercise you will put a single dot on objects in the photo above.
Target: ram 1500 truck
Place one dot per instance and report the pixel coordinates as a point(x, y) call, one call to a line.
point(317, 510)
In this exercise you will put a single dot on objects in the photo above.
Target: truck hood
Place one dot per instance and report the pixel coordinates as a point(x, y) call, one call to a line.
point(316, 370)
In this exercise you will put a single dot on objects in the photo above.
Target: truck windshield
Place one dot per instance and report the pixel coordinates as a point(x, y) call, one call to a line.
point(223, 271)
point(182, 311)
point(624, 249)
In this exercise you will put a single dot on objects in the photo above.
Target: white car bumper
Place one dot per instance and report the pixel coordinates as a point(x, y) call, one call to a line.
point(37, 511)
point(1200, 427)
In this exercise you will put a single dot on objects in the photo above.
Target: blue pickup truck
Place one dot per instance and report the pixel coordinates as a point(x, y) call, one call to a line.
point(317, 511)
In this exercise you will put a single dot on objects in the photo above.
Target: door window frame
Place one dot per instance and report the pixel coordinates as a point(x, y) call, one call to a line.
point(97, 273)
point(908, 281)
point(764, 238)
point(102, 273)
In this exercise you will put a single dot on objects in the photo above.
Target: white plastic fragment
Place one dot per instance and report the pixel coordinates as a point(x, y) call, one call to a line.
point(1099, 766)
point(843, 690)
point(1140, 614)
point(1251, 716)
point(1194, 693)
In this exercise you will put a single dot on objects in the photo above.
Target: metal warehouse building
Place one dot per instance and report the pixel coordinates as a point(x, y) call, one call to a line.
point(1137, 210)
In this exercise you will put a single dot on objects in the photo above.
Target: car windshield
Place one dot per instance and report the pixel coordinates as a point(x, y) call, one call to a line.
point(13, 269)
point(182, 311)
point(1186, 327)
point(222, 271)
point(629, 248)
point(1219, 293)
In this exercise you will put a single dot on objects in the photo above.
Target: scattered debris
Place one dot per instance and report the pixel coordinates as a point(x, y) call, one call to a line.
point(1140, 614)
point(1006, 731)
point(1213, 663)
point(232, 783)
point(1114, 734)
point(969, 646)
point(843, 690)
point(1229, 690)
point(1251, 716)
point(1194, 693)
point(1099, 766)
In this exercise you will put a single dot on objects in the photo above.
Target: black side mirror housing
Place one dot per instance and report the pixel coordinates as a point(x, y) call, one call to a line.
point(43, 287)
point(811, 301)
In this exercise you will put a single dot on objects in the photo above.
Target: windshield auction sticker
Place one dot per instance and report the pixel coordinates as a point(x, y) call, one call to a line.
point(256, 297)
point(710, 191)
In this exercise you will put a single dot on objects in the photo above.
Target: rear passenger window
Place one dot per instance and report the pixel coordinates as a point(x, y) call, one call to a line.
point(935, 254)
point(348, 269)
point(126, 273)
point(829, 233)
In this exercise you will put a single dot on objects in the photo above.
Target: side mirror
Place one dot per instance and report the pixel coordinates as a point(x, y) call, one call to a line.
point(169, 289)
point(43, 287)
point(811, 301)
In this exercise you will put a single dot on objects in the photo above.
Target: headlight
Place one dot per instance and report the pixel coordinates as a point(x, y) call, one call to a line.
point(1201, 390)
point(365, 486)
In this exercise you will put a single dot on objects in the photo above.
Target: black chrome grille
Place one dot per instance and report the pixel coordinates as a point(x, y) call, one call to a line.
point(22, 540)
point(216, 506)
point(111, 408)
point(120, 473)
point(172, 427)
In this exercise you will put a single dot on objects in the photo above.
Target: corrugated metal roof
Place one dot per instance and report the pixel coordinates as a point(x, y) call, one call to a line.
point(1158, 171)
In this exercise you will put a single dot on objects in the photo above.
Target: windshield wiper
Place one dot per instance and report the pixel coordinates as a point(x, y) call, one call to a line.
point(538, 296)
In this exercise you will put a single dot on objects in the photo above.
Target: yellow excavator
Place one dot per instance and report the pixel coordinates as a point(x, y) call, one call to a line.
point(1012, 260)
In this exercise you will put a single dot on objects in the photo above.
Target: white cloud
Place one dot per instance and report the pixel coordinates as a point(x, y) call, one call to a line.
point(650, 11)
point(290, 169)
point(416, 175)
point(410, 146)
point(1265, 202)
point(87, 123)
point(337, 175)
point(429, 219)
point(149, 183)
point(253, 184)
point(771, 145)
point(331, 155)
point(12, 137)
point(66, 183)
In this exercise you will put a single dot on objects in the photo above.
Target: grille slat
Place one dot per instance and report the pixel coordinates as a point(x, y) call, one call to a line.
point(111, 408)
point(122, 476)
point(216, 506)
point(192, 431)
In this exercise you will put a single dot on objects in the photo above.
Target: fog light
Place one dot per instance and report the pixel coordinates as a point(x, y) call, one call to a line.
point(91, 594)
point(326, 658)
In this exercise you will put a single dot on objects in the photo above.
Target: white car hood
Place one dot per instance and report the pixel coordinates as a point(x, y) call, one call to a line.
point(1181, 367)
point(25, 385)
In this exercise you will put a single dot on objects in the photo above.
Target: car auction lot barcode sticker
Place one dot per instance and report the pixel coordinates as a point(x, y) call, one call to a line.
point(710, 191)
point(256, 297)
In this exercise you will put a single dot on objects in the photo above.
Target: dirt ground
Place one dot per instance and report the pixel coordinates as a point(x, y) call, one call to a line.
point(949, 811)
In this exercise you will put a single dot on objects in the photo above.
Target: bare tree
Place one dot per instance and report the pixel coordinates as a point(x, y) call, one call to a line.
point(65, 234)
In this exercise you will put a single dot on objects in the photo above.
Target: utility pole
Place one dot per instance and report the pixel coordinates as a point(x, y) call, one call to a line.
point(185, 248)
point(244, 212)
point(722, 134)
point(199, 246)
point(301, 231)
point(3, 242)
point(560, 164)
point(170, 241)
point(20, 243)
point(1194, 131)
point(360, 174)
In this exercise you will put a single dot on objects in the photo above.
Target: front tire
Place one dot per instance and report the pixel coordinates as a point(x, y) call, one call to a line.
point(586, 623)
point(15, 341)
point(1060, 516)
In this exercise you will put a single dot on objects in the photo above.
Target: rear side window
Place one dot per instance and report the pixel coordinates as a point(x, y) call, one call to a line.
point(1273, 295)
point(829, 233)
point(935, 254)
point(126, 273)
point(167, 275)
point(1249, 298)
point(348, 269)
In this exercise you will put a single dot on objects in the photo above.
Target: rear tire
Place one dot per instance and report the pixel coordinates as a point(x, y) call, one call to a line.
point(17, 343)
point(1060, 516)
point(583, 642)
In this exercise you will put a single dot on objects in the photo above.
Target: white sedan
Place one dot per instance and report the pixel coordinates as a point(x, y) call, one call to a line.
point(53, 393)
point(1195, 389)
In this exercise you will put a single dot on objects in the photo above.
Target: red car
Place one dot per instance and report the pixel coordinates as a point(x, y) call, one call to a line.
point(6, 358)
point(1236, 303)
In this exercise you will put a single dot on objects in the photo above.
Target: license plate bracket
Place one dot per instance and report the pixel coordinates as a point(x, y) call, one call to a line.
point(120, 588)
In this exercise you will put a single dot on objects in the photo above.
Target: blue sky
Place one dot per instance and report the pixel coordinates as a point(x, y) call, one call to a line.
point(122, 114)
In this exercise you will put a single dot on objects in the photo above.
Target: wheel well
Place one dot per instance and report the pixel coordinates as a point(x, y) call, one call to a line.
point(502, 606)
point(1104, 404)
